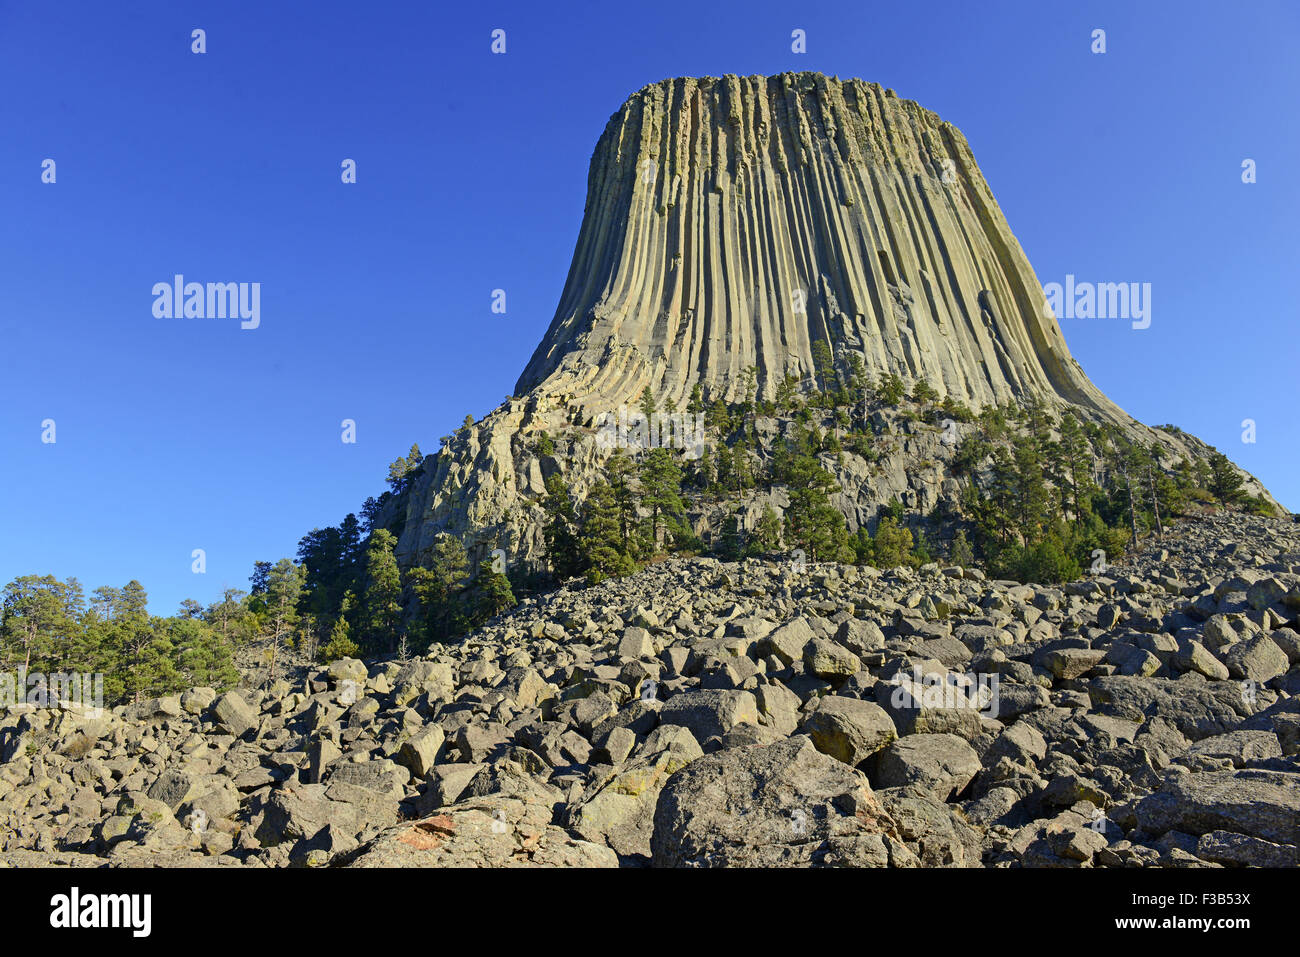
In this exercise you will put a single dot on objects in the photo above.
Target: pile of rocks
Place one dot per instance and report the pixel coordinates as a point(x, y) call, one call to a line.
point(756, 714)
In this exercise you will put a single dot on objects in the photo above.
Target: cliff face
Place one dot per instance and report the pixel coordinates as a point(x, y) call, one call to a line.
point(737, 222)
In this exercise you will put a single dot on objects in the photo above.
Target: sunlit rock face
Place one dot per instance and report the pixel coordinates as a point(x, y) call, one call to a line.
point(739, 222)
point(736, 222)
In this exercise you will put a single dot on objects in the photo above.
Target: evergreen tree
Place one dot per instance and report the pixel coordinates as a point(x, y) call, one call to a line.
point(618, 472)
point(1224, 480)
point(561, 531)
point(438, 590)
point(892, 544)
point(891, 390)
point(340, 644)
point(661, 494)
point(203, 659)
point(494, 594)
point(283, 591)
point(767, 533)
point(231, 618)
point(601, 541)
point(811, 522)
point(381, 604)
point(696, 404)
point(960, 552)
point(648, 407)
point(33, 619)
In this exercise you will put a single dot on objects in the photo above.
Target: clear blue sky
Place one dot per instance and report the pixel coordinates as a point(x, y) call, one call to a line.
point(174, 435)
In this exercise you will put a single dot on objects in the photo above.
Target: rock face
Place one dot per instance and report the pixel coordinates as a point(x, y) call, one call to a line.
point(744, 222)
point(737, 221)
point(529, 743)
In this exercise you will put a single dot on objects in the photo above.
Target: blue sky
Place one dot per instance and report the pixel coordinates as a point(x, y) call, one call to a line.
point(471, 175)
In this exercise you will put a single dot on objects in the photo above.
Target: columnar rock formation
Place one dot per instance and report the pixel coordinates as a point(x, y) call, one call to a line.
point(740, 222)
point(737, 222)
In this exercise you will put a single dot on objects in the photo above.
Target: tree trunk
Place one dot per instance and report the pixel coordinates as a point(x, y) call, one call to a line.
point(1132, 507)
point(1155, 505)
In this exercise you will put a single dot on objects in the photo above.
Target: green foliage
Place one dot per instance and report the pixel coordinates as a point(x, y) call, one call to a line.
point(648, 407)
point(561, 531)
point(340, 643)
point(892, 545)
point(811, 521)
point(923, 393)
point(696, 403)
point(602, 547)
point(47, 627)
point(661, 495)
point(493, 593)
point(890, 390)
point(438, 609)
point(766, 537)
point(402, 471)
point(960, 551)
point(787, 394)
point(381, 603)
point(1225, 481)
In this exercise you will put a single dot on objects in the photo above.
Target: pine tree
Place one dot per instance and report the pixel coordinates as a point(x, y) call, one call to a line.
point(493, 589)
point(561, 532)
point(892, 544)
point(661, 494)
point(1075, 470)
point(340, 644)
point(648, 407)
point(231, 618)
point(766, 537)
point(696, 403)
point(811, 522)
point(891, 390)
point(1225, 482)
point(618, 472)
point(824, 369)
point(203, 659)
point(283, 591)
point(960, 552)
point(600, 539)
point(33, 614)
point(438, 590)
point(381, 604)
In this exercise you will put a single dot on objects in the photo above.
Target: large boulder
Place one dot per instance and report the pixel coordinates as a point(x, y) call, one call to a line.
point(788, 642)
point(1257, 803)
point(1196, 710)
point(849, 729)
point(710, 714)
point(621, 812)
point(775, 805)
point(940, 765)
point(234, 715)
point(493, 831)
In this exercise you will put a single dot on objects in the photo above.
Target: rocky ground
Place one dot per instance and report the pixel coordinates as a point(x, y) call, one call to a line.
point(762, 714)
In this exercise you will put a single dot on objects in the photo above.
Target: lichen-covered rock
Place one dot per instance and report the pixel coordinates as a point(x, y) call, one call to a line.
point(778, 805)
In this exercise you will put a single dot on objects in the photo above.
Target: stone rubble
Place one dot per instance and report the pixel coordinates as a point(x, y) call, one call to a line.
point(702, 714)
